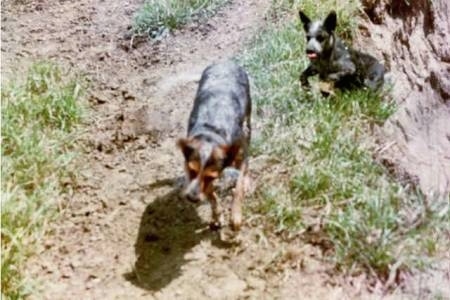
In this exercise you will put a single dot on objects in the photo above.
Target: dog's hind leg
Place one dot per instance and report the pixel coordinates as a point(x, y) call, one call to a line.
point(309, 71)
point(241, 162)
point(239, 194)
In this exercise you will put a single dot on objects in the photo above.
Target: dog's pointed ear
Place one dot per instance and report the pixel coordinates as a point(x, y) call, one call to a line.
point(305, 20)
point(185, 145)
point(330, 22)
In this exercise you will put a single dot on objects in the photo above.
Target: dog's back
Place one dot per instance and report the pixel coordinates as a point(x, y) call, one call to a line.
point(222, 102)
point(369, 72)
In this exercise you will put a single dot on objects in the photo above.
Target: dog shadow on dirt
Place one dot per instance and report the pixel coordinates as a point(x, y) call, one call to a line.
point(170, 227)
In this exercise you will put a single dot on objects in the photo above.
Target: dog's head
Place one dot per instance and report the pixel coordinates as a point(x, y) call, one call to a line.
point(204, 162)
point(319, 34)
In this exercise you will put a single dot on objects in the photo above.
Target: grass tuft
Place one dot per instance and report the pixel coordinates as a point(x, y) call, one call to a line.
point(324, 149)
point(157, 16)
point(40, 118)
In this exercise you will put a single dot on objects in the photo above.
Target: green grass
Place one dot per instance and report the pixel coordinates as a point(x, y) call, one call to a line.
point(40, 118)
point(157, 16)
point(347, 12)
point(324, 149)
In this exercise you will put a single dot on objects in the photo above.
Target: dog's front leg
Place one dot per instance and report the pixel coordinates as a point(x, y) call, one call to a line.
point(309, 71)
point(217, 216)
point(239, 193)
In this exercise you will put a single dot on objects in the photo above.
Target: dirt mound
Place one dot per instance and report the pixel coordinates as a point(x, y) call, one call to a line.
point(413, 37)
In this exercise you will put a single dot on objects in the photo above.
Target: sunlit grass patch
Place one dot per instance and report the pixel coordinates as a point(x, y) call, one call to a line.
point(157, 16)
point(40, 118)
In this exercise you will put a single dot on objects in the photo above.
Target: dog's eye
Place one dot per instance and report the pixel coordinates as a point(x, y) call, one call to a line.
point(193, 168)
point(320, 38)
point(192, 174)
point(308, 37)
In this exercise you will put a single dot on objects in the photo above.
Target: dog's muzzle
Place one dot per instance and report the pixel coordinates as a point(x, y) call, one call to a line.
point(192, 191)
point(311, 54)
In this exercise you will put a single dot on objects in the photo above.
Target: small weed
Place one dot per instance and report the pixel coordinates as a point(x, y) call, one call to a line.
point(157, 16)
point(39, 120)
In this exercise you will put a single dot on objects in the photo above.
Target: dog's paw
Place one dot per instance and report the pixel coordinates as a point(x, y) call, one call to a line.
point(214, 226)
point(230, 237)
point(217, 221)
point(326, 88)
point(236, 222)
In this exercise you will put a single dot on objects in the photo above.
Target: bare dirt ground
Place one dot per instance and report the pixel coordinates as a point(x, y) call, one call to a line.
point(125, 233)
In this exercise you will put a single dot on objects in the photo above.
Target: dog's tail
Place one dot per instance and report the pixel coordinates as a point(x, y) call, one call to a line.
point(388, 80)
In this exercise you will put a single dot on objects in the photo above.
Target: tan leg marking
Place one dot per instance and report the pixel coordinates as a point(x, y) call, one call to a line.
point(217, 216)
point(239, 194)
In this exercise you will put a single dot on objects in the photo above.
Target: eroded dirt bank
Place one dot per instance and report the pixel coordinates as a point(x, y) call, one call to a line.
point(413, 37)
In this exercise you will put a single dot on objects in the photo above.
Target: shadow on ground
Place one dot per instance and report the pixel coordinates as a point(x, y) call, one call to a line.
point(169, 228)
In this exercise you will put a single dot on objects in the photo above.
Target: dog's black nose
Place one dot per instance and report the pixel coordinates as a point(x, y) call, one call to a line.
point(309, 51)
point(192, 198)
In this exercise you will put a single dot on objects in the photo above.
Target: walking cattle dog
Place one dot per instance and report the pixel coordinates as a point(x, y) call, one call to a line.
point(218, 137)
